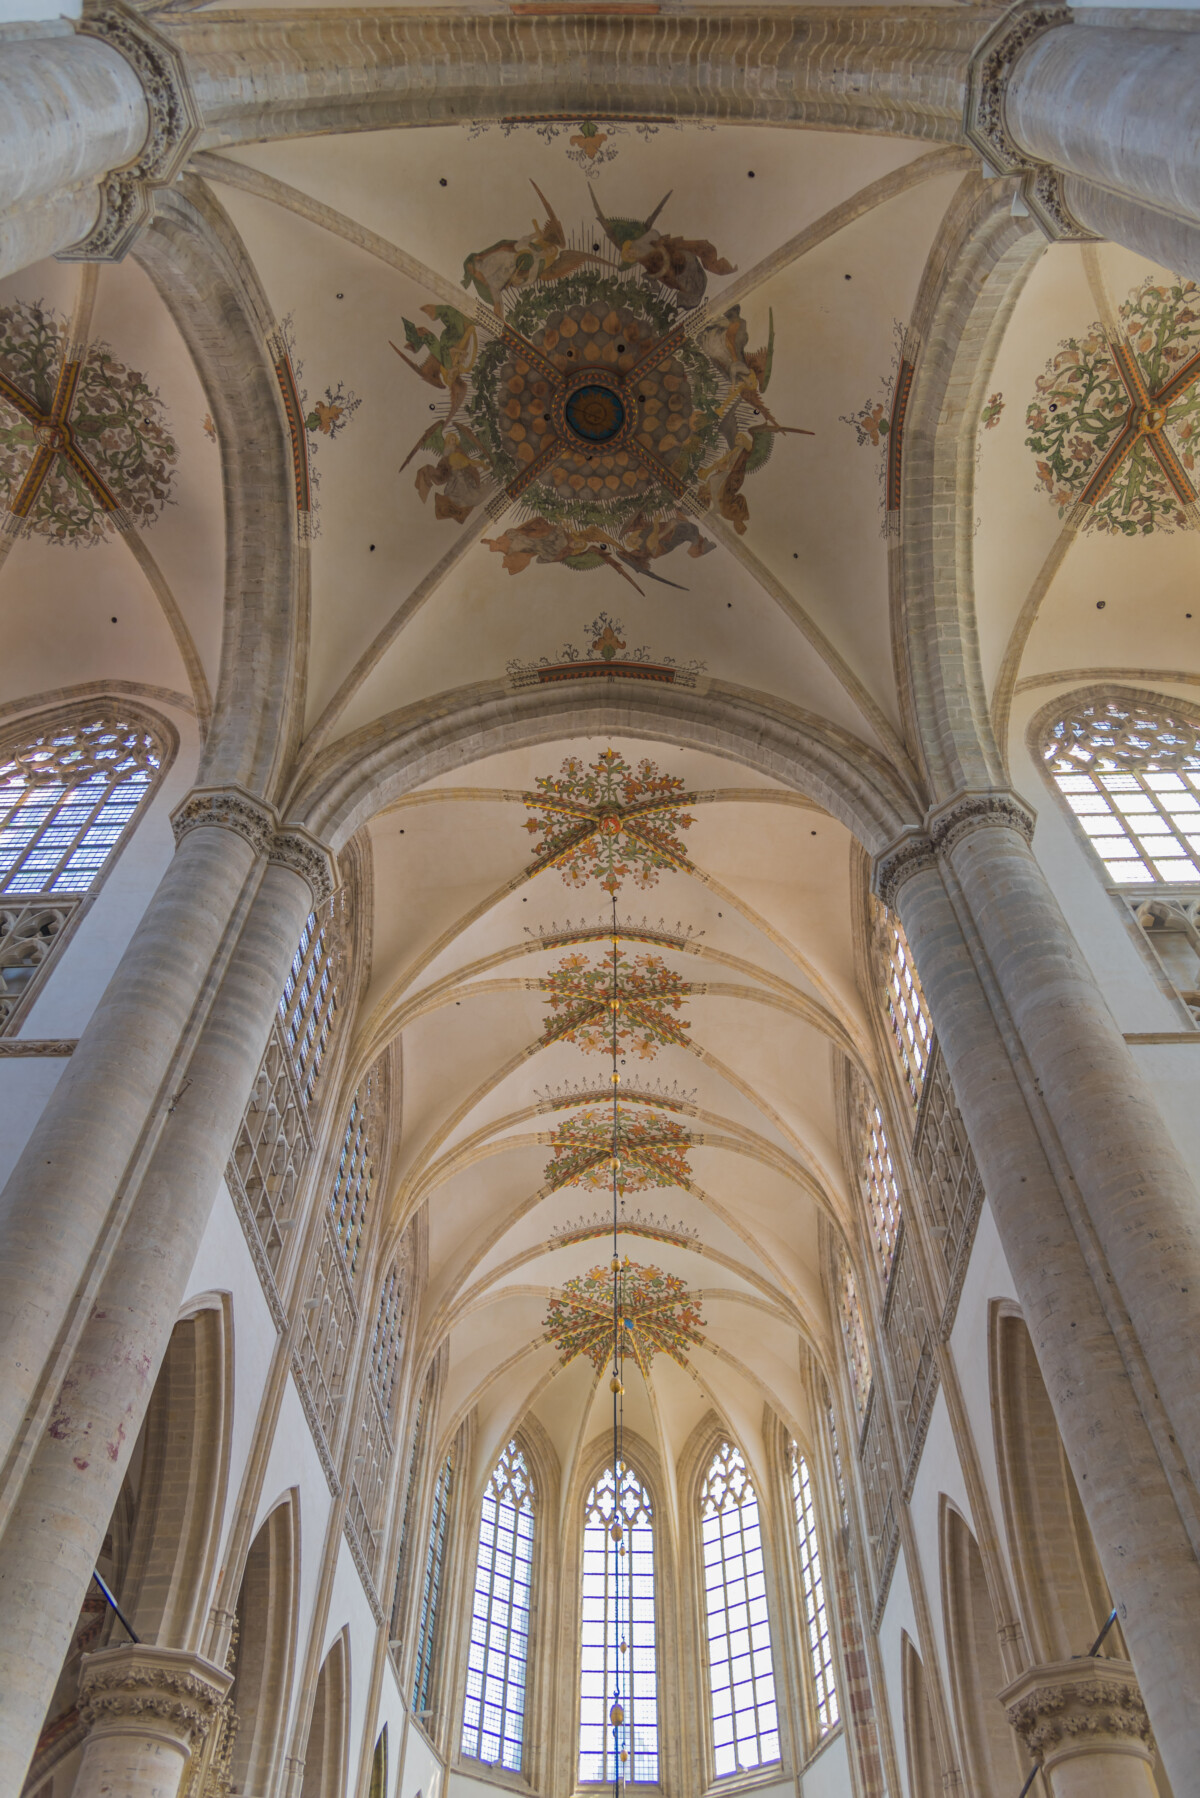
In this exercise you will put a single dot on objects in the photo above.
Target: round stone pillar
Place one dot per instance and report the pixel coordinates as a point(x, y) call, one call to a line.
point(1085, 1725)
point(1136, 1506)
point(58, 1520)
point(148, 1711)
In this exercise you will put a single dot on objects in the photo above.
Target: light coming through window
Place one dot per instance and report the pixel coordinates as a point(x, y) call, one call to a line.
point(602, 1663)
point(494, 1712)
point(816, 1617)
point(740, 1667)
point(65, 798)
point(1130, 772)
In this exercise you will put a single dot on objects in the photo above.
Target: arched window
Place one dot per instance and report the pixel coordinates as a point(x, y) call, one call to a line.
point(741, 1670)
point(854, 1336)
point(494, 1712)
point(879, 1183)
point(816, 1615)
point(1130, 771)
point(69, 795)
point(431, 1590)
point(610, 1617)
point(908, 1014)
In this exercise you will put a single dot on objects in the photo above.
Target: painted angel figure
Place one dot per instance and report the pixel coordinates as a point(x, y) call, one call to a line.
point(448, 358)
point(461, 471)
point(746, 448)
point(516, 261)
point(676, 262)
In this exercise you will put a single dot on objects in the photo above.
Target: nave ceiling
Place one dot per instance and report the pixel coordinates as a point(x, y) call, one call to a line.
point(763, 565)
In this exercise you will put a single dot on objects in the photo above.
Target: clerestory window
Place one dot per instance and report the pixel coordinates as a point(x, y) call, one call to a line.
point(431, 1589)
point(1129, 769)
point(310, 996)
point(618, 1608)
point(882, 1189)
point(352, 1183)
point(908, 1014)
point(816, 1613)
point(854, 1335)
point(70, 792)
point(741, 1669)
point(498, 1658)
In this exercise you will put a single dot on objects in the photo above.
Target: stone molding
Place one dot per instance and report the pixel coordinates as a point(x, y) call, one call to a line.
point(1079, 1707)
point(165, 1690)
point(231, 808)
point(986, 127)
point(358, 1556)
point(14, 1047)
point(127, 194)
point(978, 811)
point(898, 863)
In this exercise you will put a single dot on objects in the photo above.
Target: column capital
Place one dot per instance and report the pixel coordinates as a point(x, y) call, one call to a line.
point(1071, 1708)
point(162, 1692)
point(908, 855)
point(985, 124)
point(127, 194)
point(948, 824)
point(297, 849)
point(226, 808)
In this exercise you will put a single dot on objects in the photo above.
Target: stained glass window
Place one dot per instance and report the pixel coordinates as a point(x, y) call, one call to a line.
point(816, 1616)
point(431, 1590)
point(908, 1015)
point(66, 796)
point(1130, 772)
point(881, 1187)
point(616, 1610)
point(741, 1669)
point(494, 1712)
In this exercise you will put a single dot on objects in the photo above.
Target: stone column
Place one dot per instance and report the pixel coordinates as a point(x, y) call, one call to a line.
point(149, 1710)
point(113, 1097)
point(91, 122)
point(1085, 1725)
point(1138, 1508)
point(1139, 1196)
point(58, 1520)
point(1101, 123)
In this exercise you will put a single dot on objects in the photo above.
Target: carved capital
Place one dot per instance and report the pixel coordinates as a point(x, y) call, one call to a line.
point(986, 126)
point(304, 855)
point(127, 195)
point(978, 811)
point(1079, 1707)
point(160, 1691)
point(226, 808)
point(898, 863)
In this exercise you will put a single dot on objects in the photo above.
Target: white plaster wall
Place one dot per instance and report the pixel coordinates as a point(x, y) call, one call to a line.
point(940, 1472)
point(393, 1712)
point(293, 1463)
point(349, 1611)
point(422, 1769)
point(828, 1775)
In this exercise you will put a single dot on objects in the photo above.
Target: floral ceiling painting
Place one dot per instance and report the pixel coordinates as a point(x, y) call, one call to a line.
point(85, 446)
point(592, 391)
point(608, 821)
point(621, 1004)
point(655, 1314)
point(1115, 417)
point(619, 1145)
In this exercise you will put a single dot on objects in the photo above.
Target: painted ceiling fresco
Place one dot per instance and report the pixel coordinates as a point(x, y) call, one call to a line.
point(628, 1003)
point(656, 1315)
point(1115, 417)
point(591, 390)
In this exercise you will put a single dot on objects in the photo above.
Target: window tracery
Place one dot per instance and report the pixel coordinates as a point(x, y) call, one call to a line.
point(355, 1176)
point(309, 1000)
point(908, 1014)
point(880, 1186)
point(497, 1660)
point(388, 1339)
point(431, 1589)
point(816, 1615)
point(1129, 769)
point(854, 1335)
point(69, 793)
point(601, 1657)
point(741, 1672)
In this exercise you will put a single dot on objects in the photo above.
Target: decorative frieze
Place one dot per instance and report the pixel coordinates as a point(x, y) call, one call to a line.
point(1081, 1707)
point(978, 811)
point(137, 1688)
point(912, 854)
point(296, 849)
point(953, 1187)
point(127, 194)
point(231, 808)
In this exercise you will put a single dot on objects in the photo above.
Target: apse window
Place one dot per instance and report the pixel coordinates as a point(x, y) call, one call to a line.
point(69, 795)
point(816, 1613)
point(618, 1658)
point(498, 1657)
point(1130, 772)
point(741, 1670)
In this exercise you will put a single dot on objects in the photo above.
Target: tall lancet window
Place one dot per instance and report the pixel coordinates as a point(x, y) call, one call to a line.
point(617, 1612)
point(431, 1589)
point(741, 1669)
point(816, 1615)
point(494, 1712)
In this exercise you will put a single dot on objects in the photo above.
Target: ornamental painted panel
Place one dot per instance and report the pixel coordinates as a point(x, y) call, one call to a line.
point(615, 1005)
point(591, 390)
point(608, 821)
point(654, 1312)
point(614, 1144)
point(85, 446)
point(1114, 418)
